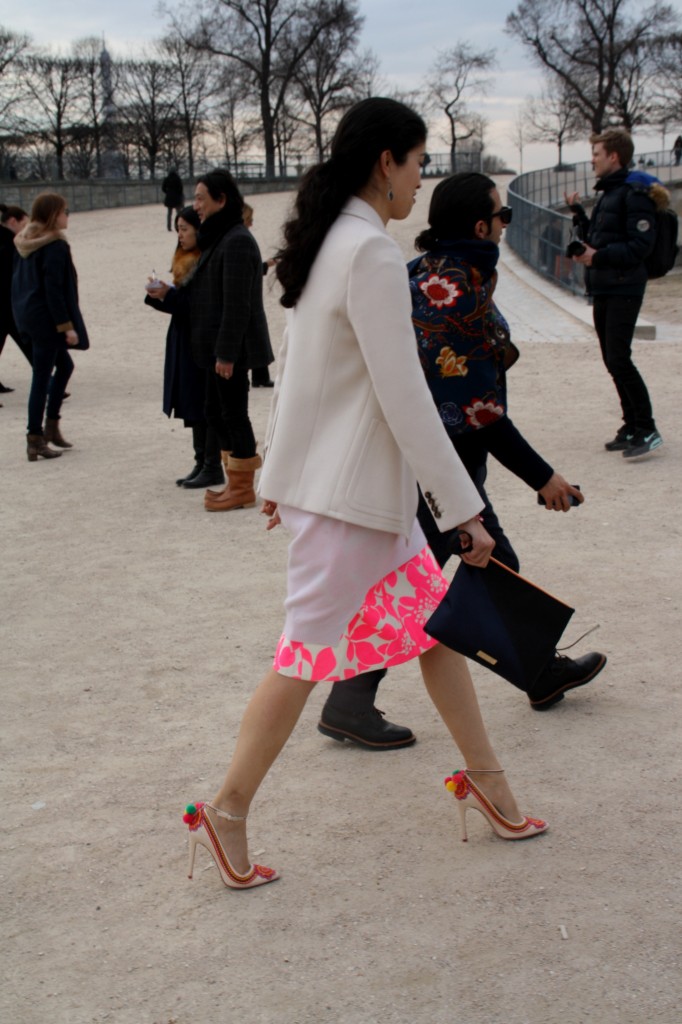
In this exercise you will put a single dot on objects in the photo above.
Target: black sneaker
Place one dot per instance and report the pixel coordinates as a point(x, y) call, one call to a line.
point(643, 443)
point(621, 441)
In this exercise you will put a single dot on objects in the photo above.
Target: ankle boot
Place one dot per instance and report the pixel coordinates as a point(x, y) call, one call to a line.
point(211, 471)
point(239, 492)
point(199, 445)
point(53, 434)
point(37, 445)
point(225, 456)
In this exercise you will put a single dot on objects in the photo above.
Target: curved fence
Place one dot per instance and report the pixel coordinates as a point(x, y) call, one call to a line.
point(541, 225)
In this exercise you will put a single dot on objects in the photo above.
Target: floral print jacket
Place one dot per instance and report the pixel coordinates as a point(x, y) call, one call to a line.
point(462, 338)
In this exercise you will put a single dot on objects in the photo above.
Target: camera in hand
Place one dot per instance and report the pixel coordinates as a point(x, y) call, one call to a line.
point(575, 247)
point(572, 500)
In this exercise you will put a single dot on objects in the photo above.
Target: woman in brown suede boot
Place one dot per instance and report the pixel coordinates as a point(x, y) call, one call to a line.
point(228, 330)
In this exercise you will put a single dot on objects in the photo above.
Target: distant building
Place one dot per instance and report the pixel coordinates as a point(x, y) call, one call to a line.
point(112, 160)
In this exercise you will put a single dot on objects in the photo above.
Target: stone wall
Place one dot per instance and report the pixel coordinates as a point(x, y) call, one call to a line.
point(101, 195)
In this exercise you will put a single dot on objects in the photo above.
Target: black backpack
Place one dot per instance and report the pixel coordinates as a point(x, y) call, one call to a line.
point(662, 257)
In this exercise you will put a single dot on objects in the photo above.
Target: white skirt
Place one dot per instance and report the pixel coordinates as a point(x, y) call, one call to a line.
point(331, 566)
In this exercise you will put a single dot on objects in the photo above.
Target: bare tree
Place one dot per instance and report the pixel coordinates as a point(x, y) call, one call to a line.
point(668, 94)
point(327, 75)
point(287, 130)
point(458, 72)
point(12, 48)
point(634, 96)
point(237, 120)
point(268, 38)
point(194, 82)
point(368, 78)
point(553, 118)
point(51, 114)
point(146, 111)
point(590, 46)
point(90, 140)
point(519, 136)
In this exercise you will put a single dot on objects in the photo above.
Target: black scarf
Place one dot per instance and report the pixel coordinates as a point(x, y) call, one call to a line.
point(215, 226)
point(477, 252)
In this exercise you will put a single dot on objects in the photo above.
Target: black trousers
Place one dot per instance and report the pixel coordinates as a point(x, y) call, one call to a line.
point(615, 317)
point(227, 411)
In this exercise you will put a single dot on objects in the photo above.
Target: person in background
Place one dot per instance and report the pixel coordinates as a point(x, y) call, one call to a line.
point(229, 331)
point(12, 220)
point(618, 236)
point(260, 375)
point(351, 429)
point(184, 383)
point(465, 349)
point(173, 195)
point(48, 317)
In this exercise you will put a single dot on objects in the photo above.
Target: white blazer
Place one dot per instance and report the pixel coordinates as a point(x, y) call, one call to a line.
point(353, 425)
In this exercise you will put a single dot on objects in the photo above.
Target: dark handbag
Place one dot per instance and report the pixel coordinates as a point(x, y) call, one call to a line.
point(500, 620)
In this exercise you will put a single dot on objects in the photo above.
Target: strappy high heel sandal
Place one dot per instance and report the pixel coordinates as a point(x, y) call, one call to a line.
point(202, 833)
point(469, 795)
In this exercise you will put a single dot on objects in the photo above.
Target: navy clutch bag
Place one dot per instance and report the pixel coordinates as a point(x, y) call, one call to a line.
point(501, 620)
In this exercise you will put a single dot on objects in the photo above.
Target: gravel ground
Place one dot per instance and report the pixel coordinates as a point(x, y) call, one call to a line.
point(135, 626)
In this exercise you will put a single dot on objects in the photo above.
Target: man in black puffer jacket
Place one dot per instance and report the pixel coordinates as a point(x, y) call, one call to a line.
point(619, 236)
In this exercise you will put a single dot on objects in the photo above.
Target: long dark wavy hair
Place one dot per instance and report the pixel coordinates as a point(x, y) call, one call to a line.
point(364, 133)
point(457, 204)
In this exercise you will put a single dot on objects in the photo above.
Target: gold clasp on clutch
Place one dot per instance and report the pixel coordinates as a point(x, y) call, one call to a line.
point(486, 657)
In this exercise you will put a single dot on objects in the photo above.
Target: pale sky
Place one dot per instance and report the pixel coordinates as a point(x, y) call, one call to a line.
point(404, 34)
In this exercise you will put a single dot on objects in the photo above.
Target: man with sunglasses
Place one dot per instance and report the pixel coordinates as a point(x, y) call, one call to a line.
point(465, 349)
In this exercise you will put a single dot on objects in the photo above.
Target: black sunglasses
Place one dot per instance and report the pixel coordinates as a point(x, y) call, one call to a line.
point(504, 213)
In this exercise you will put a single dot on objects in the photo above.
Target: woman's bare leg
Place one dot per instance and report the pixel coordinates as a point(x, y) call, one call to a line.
point(448, 682)
point(268, 722)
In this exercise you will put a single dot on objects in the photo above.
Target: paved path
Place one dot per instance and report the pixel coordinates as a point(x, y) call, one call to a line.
point(536, 309)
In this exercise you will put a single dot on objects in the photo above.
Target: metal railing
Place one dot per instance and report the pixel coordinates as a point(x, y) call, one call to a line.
point(541, 225)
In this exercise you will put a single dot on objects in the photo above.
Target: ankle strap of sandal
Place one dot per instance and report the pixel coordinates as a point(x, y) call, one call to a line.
point(485, 771)
point(226, 815)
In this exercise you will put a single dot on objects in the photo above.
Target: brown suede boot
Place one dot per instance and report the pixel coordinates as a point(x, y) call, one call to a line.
point(53, 434)
point(37, 445)
point(239, 492)
point(225, 456)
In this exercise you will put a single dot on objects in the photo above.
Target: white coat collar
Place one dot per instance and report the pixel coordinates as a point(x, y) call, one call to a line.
point(356, 207)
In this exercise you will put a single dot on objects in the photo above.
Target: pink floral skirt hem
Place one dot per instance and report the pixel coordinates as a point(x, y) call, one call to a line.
point(388, 629)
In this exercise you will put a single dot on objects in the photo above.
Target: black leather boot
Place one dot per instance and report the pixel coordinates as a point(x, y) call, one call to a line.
point(350, 714)
point(211, 471)
point(199, 445)
point(563, 674)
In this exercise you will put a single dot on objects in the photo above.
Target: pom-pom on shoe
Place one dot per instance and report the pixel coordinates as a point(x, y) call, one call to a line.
point(201, 832)
point(469, 795)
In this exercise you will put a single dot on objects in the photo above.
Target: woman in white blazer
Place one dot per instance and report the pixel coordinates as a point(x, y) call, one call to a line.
point(353, 428)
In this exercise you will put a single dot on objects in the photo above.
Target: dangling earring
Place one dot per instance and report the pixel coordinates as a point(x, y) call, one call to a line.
point(389, 194)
